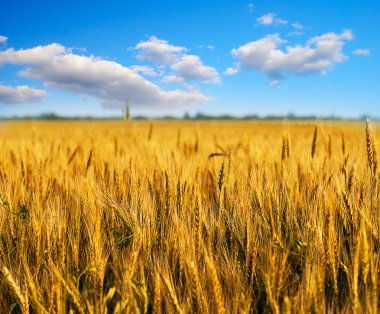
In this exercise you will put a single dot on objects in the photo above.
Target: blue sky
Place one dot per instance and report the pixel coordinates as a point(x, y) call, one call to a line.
point(171, 57)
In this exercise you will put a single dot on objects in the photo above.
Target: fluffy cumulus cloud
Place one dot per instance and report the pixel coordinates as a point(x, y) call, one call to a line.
point(20, 94)
point(270, 19)
point(191, 67)
point(3, 39)
point(158, 50)
point(183, 66)
point(318, 55)
point(143, 69)
point(173, 79)
point(233, 70)
point(362, 52)
point(110, 82)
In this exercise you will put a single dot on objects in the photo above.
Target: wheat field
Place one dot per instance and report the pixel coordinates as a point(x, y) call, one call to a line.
point(180, 217)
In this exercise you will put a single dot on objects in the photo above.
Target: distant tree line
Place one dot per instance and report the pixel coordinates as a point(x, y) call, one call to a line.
point(187, 116)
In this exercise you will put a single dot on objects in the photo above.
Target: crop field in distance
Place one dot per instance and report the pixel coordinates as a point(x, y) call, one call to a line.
point(179, 217)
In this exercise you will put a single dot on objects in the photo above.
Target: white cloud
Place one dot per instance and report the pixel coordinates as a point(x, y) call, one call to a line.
point(347, 35)
point(295, 33)
point(280, 22)
point(184, 66)
point(158, 50)
point(37, 55)
point(232, 70)
point(191, 87)
point(173, 79)
point(143, 69)
point(109, 82)
point(266, 19)
point(20, 94)
point(362, 52)
point(3, 39)
point(191, 67)
point(318, 55)
point(270, 19)
point(209, 47)
point(274, 83)
point(297, 25)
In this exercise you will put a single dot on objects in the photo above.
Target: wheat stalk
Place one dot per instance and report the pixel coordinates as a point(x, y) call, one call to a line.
point(369, 142)
point(217, 289)
point(314, 142)
point(157, 294)
point(21, 298)
point(173, 295)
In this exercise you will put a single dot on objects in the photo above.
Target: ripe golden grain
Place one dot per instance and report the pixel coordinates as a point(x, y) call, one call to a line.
point(204, 217)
